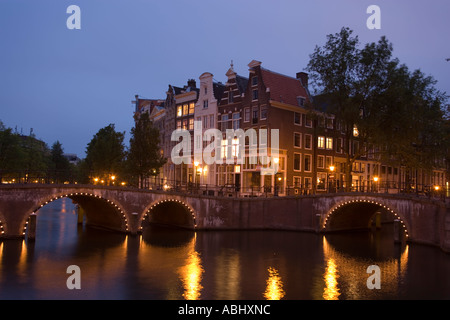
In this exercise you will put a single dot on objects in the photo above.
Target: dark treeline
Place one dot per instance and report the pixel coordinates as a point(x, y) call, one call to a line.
point(26, 159)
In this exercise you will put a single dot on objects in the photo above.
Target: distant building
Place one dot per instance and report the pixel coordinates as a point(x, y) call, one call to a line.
point(72, 157)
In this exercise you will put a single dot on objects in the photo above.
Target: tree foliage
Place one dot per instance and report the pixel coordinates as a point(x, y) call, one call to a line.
point(105, 153)
point(144, 156)
point(397, 113)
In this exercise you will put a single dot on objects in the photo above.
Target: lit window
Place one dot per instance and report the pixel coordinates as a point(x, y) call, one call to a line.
point(355, 131)
point(321, 142)
point(224, 149)
point(191, 124)
point(329, 144)
point(179, 111)
point(191, 108)
point(185, 109)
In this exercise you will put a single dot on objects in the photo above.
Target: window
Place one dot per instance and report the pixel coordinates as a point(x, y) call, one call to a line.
point(308, 162)
point(211, 121)
point(255, 94)
point(191, 108)
point(224, 149)
point(297, 182)
point(321, 142)
point(191, 124)
point(255, 115)
point(179, 111)
point(308, 183)
point(205, 122)
point(297, 140)
point(320, 162)
point(263, 112)
point(308, 122)
point(329, 123)
point(339, 145)
point(235, 148)
point(205, 104)
point(329, 144)
point(246, 114)
point(263, 137)
point(355, 131)
point(321, 177)
point(254, 80)
point(185, 124)
point(301, 101)
point(185, 109)
point(224, 124)
point(329, 162)
point(178, 124)
point(298, 118)
point(236, 120)
point(230, 96)
point(297, 159)
point(308, 141)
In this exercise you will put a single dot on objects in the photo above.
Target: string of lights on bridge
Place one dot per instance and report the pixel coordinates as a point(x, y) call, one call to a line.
point(191, 211)
point(336, 208)
point(71, 195)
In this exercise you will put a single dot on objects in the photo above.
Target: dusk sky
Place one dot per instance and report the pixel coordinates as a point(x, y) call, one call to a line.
point(68, 84)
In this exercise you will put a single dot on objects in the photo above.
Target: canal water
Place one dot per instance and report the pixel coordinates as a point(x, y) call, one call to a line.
point(171, 264)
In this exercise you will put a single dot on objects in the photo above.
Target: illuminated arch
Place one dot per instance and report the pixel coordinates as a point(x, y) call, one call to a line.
point(71, 195)
point(338, 208)
point(188, 211)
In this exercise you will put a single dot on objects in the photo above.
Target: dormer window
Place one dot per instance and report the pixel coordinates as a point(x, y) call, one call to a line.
point(301, 101)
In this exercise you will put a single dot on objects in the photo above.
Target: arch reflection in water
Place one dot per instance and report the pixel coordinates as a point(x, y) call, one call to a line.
point(274, 289)
point(345, 275)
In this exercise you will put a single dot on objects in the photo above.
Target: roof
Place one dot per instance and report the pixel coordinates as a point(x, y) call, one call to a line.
point(283, 88)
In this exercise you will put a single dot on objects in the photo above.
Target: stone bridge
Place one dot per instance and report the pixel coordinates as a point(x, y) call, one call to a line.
point(129, 210)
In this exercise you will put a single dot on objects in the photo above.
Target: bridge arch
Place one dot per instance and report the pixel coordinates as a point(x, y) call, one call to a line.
point(100, 212)
point(357, 214)
point(169, 212)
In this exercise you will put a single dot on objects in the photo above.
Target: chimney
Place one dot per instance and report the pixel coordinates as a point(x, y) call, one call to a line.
point(191, 83)
point(303, 77)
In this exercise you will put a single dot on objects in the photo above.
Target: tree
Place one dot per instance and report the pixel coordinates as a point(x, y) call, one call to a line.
point(59, 165)
point(144, 156)
point(391, 112)
point(11, 153)
point(105, 154)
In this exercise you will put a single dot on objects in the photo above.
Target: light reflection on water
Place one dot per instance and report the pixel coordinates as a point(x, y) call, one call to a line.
point(173, 264)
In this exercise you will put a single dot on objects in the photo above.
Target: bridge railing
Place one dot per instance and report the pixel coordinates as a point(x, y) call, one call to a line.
point(233, 190)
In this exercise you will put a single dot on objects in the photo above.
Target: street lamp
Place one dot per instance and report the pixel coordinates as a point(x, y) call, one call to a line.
point(331, 178)
point(375, 179)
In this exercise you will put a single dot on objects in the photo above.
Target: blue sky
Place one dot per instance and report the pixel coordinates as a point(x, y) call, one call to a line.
point(67, 84)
